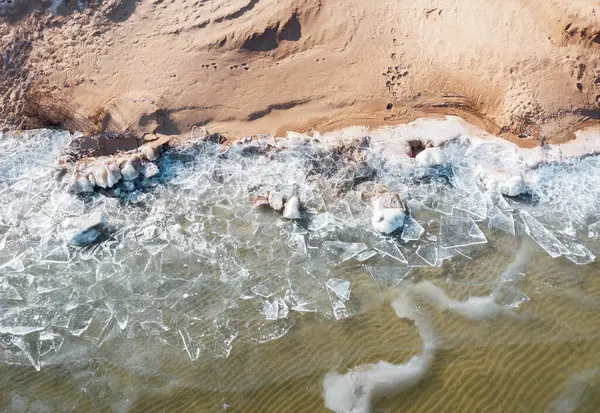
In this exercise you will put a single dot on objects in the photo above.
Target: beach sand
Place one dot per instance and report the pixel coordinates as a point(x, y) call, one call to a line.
point(245, 67)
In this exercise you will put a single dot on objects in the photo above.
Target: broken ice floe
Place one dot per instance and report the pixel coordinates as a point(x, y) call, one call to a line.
point(186, 247)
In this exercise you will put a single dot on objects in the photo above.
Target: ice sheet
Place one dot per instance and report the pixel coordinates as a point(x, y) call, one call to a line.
point(187, 245)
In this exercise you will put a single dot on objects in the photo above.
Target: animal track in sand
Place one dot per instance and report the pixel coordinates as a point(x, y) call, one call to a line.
point(585, 34)
point(395, 79)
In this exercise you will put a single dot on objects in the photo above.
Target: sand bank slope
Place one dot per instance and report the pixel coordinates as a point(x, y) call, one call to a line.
point(252, 66)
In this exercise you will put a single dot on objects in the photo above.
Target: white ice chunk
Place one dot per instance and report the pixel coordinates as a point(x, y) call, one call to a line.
point(507, 182)
point(459, 232)
point(389, 213)
point(430, 157)
point(292, 208)
point(542, 236)
point(388, 220)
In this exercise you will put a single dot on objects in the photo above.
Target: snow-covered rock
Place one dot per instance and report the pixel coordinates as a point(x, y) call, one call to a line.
point(430, 157)
point(506, 181)
point(389, 213)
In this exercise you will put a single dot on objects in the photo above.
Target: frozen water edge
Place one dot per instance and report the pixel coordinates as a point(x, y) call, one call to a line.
point(189, 247)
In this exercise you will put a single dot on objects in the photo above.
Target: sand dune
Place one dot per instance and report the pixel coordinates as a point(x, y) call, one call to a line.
point(254, 66)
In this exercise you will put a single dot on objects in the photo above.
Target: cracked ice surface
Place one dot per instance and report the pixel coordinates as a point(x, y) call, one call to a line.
point(192, 264)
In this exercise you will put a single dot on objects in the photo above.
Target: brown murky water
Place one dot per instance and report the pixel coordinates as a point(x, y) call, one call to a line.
point(546, 359)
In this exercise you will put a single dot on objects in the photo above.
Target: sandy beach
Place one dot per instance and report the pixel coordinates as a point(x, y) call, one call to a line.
point(247, 66)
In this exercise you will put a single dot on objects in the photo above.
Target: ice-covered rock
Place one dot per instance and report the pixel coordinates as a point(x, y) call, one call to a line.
point(131, 168)
point(151, 151)
point(107, 170)
point(389, 213)
point(100, 175)
point(82, 185)
point(534, 157)
point(276, 201)
point(430, 157)
point(113, 174)
point(90, 230)
point(260, 202)
point(292, 208)
point(507, 182)
point(388, 220)
point(149, 170)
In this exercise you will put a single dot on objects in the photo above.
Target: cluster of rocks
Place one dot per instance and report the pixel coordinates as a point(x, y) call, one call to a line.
point(340, 167)
point(106, 171)
point(291, 208)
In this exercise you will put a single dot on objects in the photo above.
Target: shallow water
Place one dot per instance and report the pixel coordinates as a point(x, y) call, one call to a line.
point(200, 303)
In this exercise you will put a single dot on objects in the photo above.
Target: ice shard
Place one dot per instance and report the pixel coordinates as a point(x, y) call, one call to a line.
point(389, 275)
point(412, 230)
point(339, 287)
point(459, 232)
point(501, 220)
point(389, 248)
point(542, 236)
point(429, 254)
point(336, 252)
